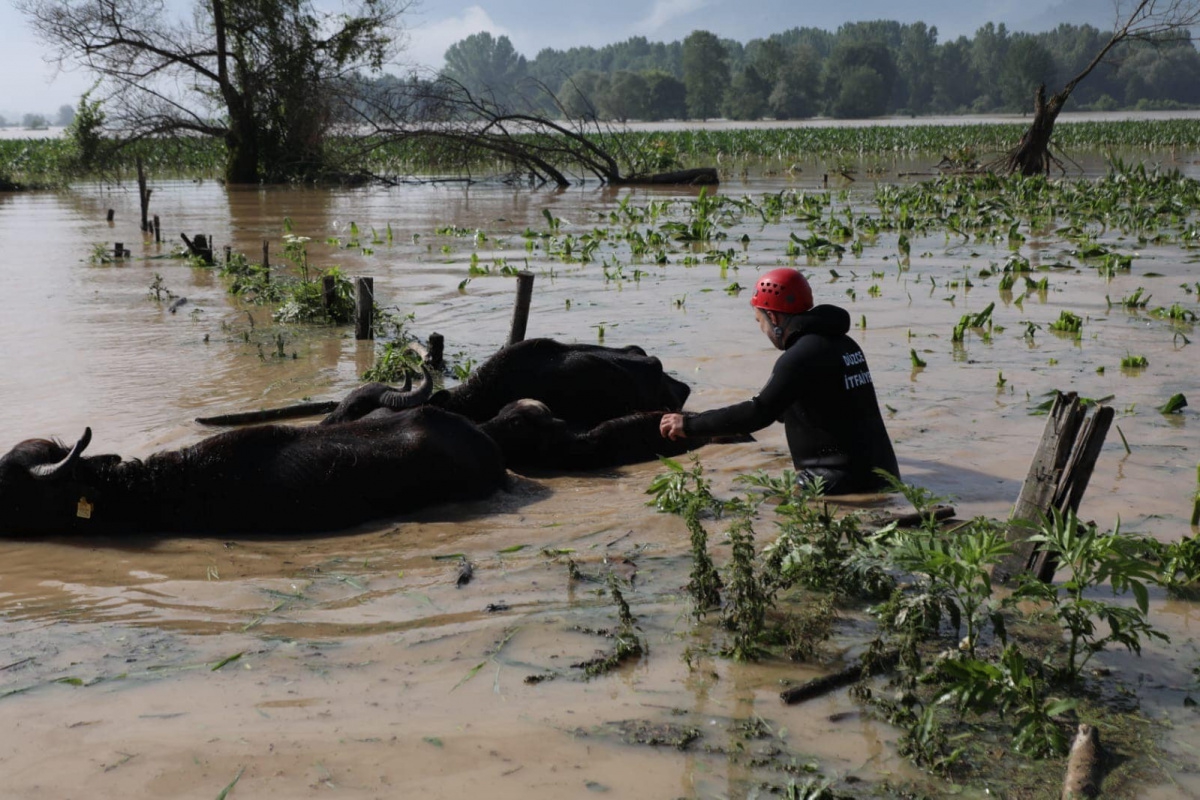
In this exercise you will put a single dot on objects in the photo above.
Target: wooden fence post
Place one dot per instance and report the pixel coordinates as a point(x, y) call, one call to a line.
point(143, 195)
point(111, 214)
point(157, 230)
point(1057, 479)
point(437, 348)
point(364, 308)
point(328, 291)
point(521, 310)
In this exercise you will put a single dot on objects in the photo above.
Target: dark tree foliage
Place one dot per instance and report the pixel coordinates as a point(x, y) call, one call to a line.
point(488, 66)
point(858, 78)
point(808, 71)
point(705, 74)
point(266, 76)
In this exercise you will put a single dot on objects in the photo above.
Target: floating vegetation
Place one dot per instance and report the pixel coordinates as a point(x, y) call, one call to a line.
point(1174, 405)
point(1068, 322)
point(1134, 362)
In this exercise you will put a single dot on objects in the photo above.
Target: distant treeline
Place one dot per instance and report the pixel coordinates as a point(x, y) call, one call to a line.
point(864, 69)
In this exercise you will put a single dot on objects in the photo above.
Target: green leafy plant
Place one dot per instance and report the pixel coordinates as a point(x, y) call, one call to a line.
point(1134, 362)
point(746, 599)
point(679, 490)
point(395, 362)
point(1090, 559)
point(1014, 688)
point(1068, 322)
point(955, 568)
point(704, 585)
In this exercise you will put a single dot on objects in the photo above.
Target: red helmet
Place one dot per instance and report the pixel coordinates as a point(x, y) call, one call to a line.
point(784, 290)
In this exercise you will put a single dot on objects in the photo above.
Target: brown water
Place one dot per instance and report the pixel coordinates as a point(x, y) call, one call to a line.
point(363, 671)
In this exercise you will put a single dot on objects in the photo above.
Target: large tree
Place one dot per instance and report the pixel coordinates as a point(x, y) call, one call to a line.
point(488, 66)
point(1157, 21)
point(705, 73)
point(266, 76)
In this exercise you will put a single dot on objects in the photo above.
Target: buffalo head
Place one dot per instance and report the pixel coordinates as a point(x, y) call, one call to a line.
point(45, 486)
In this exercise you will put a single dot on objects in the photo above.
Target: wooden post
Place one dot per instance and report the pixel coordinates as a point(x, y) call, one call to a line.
point(521, 310)
point(228, 253)
point(364, 307)
point(118, 250)
point(143, 195)
point(437, 347)
point(328, 291)
point(157, 230)
point(111, 214)
point(266, 256)
point(201, 247)
point(1057, 479)
point(1084, 765)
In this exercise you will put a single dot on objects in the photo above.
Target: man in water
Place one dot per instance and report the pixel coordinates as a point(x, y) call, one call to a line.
point(820, 389)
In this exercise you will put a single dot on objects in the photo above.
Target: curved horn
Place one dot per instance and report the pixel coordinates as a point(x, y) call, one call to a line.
point(51, 470)
point(397, 400)
point(271, 414)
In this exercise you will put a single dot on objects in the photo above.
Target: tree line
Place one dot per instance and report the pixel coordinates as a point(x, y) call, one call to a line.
point(296, 92)
point(864, 69)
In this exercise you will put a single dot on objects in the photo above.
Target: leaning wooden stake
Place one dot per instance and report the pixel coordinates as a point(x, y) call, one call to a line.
point(521, 310)
point(1057, 479)
point(1083, 765)
point(364, 308)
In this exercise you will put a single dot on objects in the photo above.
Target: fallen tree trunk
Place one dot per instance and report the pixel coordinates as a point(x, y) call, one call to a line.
point(699, 176)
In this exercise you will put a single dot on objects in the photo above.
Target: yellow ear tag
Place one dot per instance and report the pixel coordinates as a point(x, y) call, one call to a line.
point(84, 509)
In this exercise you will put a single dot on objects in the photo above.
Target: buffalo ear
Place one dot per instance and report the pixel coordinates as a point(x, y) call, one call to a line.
point(53, 470)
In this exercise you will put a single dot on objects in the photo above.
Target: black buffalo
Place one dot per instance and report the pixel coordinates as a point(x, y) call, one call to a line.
point(583, 385)
point(271, 478)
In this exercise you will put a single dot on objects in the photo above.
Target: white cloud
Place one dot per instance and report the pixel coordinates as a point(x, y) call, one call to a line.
point(665, 11)
point(427, 41)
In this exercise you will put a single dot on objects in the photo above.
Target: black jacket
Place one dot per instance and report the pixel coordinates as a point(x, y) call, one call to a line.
point(821, 390)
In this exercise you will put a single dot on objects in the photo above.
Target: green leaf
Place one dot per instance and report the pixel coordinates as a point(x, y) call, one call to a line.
point(1057, 707)
point(227, 660)
point(1141, 596)
point(1174, 405)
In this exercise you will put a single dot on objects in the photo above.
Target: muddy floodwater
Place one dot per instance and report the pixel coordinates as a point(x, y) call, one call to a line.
point(351, 665)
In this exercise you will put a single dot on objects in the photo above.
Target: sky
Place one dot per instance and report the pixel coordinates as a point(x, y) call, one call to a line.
point(29, 85)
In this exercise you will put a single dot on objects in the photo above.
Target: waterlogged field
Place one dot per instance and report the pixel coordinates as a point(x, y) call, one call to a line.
point(829, 146)
point(353, 664)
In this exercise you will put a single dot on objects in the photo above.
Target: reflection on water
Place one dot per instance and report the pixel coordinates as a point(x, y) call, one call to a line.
point(364, 637)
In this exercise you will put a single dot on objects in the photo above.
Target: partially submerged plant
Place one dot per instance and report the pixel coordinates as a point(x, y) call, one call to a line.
point(704, 584)
point(1092, 558)
point(678, 490)
point(395, 363)
point(746, 599)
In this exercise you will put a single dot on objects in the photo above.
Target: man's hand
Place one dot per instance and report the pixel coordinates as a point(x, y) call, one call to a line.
point(671, 426)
